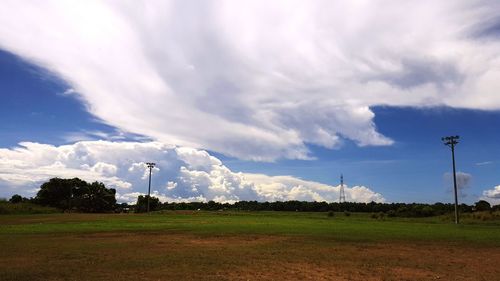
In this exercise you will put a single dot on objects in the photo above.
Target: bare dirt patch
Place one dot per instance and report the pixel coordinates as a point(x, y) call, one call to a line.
point(167, 256)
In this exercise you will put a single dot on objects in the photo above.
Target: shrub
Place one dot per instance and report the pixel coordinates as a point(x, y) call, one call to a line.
point(482, 205)
point(7, 208)
point(16, 198)
point(391, 213)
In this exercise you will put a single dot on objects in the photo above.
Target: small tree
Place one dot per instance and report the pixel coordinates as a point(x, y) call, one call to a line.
point(16, 198)
point(142, 204)
point(482, 205)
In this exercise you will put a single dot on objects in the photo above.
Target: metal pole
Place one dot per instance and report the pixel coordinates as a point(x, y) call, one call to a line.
point(455, 182)
point(150, 166)
point(149, 188)
point(451, 141)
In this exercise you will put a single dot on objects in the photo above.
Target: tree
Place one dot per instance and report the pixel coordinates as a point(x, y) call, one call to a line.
point(94, 198)
point(59, 192)
point(482, 205)
point(16, 198)
point(68, 194)
point(142, 204)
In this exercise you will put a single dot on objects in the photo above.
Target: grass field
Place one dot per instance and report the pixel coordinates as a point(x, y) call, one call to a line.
point(245, 246)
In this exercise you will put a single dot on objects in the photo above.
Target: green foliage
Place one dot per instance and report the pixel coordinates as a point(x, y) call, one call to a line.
point(482, 205)
point(331, 214)
point(76, 194)
point(142, 204)
point(94, 198)
point(16, 198)
point(379, 215)
point(390, 209)
point(485, 216)
point(7, 208)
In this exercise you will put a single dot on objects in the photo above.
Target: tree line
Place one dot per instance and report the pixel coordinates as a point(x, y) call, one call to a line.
point(81, 196)
point(390, 209)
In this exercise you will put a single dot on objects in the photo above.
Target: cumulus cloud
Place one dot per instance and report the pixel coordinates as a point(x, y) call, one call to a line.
point(492, 195)
point(181, 173)
point(258, 79)
point(463, 182)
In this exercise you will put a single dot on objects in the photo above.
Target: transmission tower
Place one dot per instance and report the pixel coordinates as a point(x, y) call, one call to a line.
point(342, 192)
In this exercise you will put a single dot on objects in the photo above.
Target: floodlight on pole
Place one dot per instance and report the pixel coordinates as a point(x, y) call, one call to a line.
point(451, 141)
point(150, 166)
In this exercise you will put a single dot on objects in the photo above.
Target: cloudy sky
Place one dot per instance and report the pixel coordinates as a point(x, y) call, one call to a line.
point(252, 100)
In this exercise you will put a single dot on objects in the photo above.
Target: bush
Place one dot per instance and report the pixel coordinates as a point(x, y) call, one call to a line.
point(7, 208)
point(391, 213)
point(482, 205)
point(16, 198)
point(331, 214)
point(346, 213)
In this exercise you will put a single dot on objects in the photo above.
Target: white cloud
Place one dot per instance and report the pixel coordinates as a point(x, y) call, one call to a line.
point(259, 79)
point(492, 195)
point(283, 188)
point(181, 174)
point(463, 182)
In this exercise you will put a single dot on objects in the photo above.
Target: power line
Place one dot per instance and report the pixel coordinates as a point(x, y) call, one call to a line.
point(150, 166)
point(451, 141)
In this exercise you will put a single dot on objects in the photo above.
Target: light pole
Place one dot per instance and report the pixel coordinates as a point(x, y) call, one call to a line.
point(150, 166)
point(451, 141)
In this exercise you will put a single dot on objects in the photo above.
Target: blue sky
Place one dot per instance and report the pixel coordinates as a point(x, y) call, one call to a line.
point(34, 108)
point(375, 113)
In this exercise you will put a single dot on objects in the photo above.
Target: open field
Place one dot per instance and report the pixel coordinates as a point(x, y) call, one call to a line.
point(244, 246)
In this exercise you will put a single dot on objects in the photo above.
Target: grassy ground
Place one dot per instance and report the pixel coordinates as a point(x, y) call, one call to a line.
point(245, 246)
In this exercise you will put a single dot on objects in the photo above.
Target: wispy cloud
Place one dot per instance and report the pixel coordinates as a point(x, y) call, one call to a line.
point(260, 79)
point(484, 163)
point(68, 92)
point(91, 135)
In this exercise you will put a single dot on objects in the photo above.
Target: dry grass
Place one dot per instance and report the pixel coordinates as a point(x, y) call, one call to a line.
point(167, 256)
point(244, 246)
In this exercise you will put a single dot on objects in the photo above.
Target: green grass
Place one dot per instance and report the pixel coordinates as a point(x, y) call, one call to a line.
point(245, 246)
point(357, 227)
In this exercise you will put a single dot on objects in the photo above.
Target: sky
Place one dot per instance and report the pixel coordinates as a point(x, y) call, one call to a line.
point(251, 100)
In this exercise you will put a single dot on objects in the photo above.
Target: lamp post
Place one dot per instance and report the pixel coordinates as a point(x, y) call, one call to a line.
point(451, 141)
point(150, 166)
